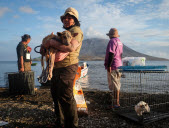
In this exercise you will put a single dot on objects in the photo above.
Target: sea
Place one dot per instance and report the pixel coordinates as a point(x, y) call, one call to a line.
point(95, 79)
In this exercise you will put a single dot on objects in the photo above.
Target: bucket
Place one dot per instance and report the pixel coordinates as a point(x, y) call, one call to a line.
point(21, 83)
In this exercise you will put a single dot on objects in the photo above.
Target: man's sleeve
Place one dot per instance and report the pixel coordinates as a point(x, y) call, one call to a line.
point(78, 37)
point(112, 47)
point(21, 50)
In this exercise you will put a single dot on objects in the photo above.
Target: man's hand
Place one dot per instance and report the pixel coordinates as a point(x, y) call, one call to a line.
point(109, 69)
point(74, 44)
point(21, 69)
point(29, 49)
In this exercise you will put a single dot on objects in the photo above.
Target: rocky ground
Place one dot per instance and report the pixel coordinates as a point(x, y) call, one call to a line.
point(31, 111)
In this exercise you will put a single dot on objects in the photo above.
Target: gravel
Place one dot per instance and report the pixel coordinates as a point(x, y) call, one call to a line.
point(31, 111)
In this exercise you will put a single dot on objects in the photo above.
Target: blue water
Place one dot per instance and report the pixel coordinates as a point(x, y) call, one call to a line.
point(96, 78)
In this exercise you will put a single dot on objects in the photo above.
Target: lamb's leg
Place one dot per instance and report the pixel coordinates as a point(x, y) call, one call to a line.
point(51, 65)
point(42, 66)
point(42, 62)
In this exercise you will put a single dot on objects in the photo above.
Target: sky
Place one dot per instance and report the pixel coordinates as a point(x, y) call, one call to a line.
point(143, 25)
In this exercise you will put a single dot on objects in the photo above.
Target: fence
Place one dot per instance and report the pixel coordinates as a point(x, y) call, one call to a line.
point(151, 87)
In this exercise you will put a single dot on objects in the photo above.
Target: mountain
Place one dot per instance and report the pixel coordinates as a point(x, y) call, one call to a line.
point(95, 48)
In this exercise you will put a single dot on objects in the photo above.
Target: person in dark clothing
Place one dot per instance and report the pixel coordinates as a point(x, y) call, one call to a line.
point(23, 54)
point(64, 72)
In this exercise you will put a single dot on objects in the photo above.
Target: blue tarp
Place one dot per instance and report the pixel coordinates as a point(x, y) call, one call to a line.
point(144, 68)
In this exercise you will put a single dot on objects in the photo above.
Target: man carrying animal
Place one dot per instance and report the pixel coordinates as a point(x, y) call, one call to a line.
point(52, 54)
point(64, 72)
point(113, 60)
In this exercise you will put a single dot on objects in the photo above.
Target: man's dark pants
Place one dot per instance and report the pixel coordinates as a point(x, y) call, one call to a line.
point(62, 94)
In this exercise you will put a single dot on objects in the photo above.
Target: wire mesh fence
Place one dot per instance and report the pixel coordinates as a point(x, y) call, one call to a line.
point(151, 87)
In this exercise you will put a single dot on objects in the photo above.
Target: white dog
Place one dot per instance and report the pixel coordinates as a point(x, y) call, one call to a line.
point(141, 107)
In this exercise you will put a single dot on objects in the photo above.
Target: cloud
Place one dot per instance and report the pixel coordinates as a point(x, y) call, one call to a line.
point(102, 17)
point(135, 1)
point(158, 53)
point(49, 24)
point(28, 29)
point(164, 9)
point(26, 9)
point(158, 43)
point(97, 17)
point(46, 18)
point(149, 33)
point(155, 11)
point(3, 10)
point(90, 33)
point(16, 16)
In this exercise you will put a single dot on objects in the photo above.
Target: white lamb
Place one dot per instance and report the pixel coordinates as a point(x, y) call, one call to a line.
point(141, 107)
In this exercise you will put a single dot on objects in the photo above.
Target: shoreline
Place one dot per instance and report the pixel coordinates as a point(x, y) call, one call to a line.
point(37, 111)
point(167, 60)
point(102, 59)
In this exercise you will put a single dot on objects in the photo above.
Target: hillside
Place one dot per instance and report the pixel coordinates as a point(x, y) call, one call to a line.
point(95, 48)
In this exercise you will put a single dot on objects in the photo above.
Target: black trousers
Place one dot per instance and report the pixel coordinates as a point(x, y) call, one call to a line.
point(62, 94)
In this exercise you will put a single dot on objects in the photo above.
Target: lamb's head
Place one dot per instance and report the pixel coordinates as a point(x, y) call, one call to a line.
point(66, 37)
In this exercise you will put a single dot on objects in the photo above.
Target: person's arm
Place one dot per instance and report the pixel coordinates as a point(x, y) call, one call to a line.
point(21, 54)
point(31, 60)
point(57, 45)
point(110, 60)
point(22, 66)
point(70, 48)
